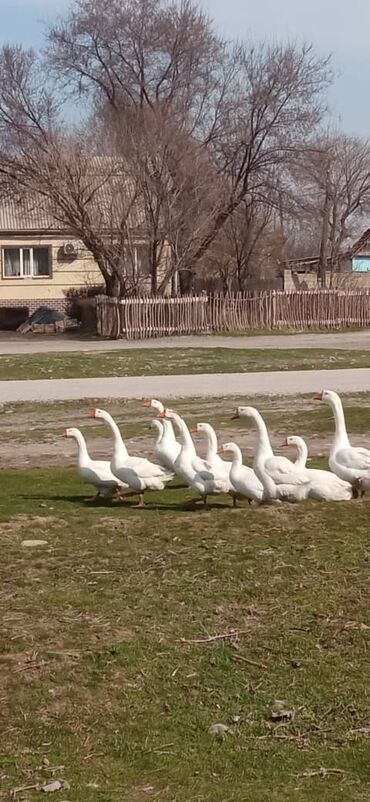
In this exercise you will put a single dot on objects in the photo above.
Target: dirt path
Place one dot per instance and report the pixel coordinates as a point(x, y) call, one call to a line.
point(30, 435)
point(12, 344)
point(231, 384)
point(62, 453)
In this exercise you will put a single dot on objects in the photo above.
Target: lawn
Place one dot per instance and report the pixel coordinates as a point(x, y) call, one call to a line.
point(172, 361)
point(130, 634)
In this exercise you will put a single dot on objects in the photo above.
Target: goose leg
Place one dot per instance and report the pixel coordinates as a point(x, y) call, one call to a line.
point(92, 499)
point(235, 502)
point(141, 503)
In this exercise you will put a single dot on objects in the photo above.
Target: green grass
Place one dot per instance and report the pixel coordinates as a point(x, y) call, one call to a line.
point(95, 676)
point(171, 361)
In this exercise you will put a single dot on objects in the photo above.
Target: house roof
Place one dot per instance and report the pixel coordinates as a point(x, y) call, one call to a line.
point(110, 193)
point(307, 262)
point(359, 244)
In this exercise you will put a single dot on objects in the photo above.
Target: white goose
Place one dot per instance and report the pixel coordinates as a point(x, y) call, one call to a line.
point(212, 457)
point(243, 479)
point(197, 463)
point(280, 479)
point(324, 485)
point(167, 448)
point(350, 463)
point(197, 473)
point(138, 473)
point(94, 472)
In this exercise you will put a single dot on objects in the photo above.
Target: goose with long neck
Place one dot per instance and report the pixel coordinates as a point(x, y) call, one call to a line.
point(213, 458)
point(94, 472)
point(187, 447)
point(138, 473)
point(166, 448)
point(243, 479)
point(279, 477)
point(197, 473)
point(350, 463)
point(324, 485)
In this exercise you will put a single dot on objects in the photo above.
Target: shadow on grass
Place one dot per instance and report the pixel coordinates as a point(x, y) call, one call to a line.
point(192, 505)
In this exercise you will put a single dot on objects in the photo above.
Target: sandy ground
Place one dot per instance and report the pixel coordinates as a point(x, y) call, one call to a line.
point(12, 344)
point(32, 438)
point(213, 384)
point(63, 454)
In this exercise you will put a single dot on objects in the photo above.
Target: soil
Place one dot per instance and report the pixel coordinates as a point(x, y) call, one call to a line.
point(30, 435)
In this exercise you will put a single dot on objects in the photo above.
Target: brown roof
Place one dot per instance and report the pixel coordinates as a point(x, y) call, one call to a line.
point(18, 215)
point(112, 192)
point(359, 244)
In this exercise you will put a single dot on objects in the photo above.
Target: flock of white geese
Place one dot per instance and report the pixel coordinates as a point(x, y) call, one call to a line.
point(271, 479)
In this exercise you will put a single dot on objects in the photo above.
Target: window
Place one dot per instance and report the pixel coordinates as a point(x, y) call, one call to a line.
point(141, 255)
point(26, 262)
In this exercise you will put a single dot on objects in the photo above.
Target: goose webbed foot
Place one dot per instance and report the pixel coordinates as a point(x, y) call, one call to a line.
point(92, 499)
point(141, 503)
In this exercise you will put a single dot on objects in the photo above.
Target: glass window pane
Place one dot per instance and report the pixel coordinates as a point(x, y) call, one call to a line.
point(143, 266)
point(26, 262)
point(41, 262)
point(12, 262)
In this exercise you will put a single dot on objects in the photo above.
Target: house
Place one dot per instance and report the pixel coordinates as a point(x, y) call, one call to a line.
point(354, 268)
point(359, 254)
point(42, 263)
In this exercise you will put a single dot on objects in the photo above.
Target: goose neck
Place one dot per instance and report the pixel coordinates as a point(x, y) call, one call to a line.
point(83, 455)
point(187, 442)
point(119, 448)
point(302, 452)
point(263, 440)
point(341, 436)
point(211, 442)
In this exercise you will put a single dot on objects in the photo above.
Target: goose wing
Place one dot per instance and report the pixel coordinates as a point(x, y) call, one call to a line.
point(355, 458)
point(146, 469)
point(282, 471)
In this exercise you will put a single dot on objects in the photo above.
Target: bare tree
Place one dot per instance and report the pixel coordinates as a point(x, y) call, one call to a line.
point(333, 193)
point(94, 198)
point(163, 66)
point(195, 129)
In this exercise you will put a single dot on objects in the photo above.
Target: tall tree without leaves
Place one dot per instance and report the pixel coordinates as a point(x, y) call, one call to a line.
point(332, 193)
point(199, 126)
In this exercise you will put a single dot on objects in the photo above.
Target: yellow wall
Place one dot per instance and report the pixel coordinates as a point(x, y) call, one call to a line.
point(77, 273)
point(81, 272)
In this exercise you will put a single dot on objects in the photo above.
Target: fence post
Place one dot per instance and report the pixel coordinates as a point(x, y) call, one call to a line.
point(273, 309)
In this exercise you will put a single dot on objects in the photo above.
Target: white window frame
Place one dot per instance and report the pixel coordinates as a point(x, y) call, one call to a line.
point(22, 248)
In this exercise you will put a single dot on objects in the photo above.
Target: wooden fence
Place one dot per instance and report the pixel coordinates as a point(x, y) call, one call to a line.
point(137, 318)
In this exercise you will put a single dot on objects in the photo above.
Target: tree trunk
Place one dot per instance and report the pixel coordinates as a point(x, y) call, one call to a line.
point(153, 250)
point(113, 286)
point(323, 258)
point(186, 278)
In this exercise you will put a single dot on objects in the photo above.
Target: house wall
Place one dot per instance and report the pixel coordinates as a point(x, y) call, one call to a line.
point(308, 281)
point(72, 273)
point(361, 264)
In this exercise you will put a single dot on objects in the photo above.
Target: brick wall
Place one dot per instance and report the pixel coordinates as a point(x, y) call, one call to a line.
point(59, 304)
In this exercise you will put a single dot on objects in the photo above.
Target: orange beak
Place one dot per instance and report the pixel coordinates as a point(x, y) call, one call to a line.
point(64, 434)
point(285, 443)
point(318, 396)
point(194, 430)
point(92, 414)
point(147, 404)
point(221, 450)
point(236, 415)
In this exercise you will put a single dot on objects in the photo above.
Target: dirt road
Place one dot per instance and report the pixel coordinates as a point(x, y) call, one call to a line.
point(11, 344)
point(232, 384)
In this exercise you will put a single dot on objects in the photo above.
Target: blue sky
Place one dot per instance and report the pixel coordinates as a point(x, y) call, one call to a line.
point(333, 26)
